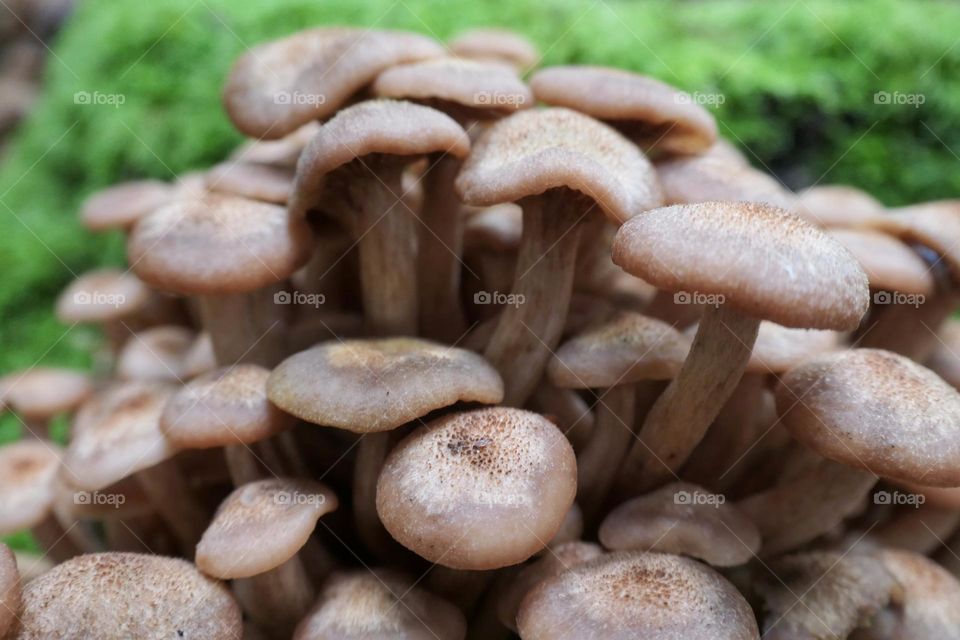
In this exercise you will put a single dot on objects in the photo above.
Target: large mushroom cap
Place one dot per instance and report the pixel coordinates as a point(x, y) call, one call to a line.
point(628, 348)
point(478, 490)
point(102, 295)
point(118, 596)
point(43, 392)
point(646, 110)
point(261, 525)
point(758, 259)
point(636, 595)
point(838, 205)
point(876, 411)
point(10, 589)
point(935, 225)
point(890, 265)
point(366, 605)
point(536, 150)
point(28, 471)
point(218, 243)
point(497, 45)
point(377, 385)
point(120, 206)
point(280, 85)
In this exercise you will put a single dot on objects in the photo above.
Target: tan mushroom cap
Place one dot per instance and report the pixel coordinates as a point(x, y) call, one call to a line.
point(629, 348)
point(478, 490)
point(498, 228)
point(779, 349)
point(156, 353)
point(217, 244)
point(367, 605)
point(283, 152)
point(120, 436)
point(200, 358)
point(120, 206)
point(43, 392)
point(118, 596)
point(261, 182)
point(384, 127)
point(706, 178)
point(889, 264)
point(837, 205)
point(102, 295)
point(763, 261)
point(823, 594)
point(226, 406)
point(636, 595)
point(931, 224)
point(476, 90)
point(877, 411)
point(28, 469)
point(10, 589)
point(540, 149)
point(496, 45)
point(281, 85)
point(645, 110)
point(261, 525)
point(682, 518)
point(367, 386)
point(927, 602)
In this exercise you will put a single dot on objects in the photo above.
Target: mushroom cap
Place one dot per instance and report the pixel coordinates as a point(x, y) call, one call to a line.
point(878, 411)
point(117, 596)
point(384, 127)
point(262, 182)
point(41, 393)
point(477, 90)
point(495, 45)
point(379, 603)
point(927, 602)
point(283, 84)
point(779, 349)
point(935, 225)
point(536, 150)
point(28, 470)
point(200, 358)
point(261, 525)
point(223, 407)
point(837, 205)
point(120, 206)
point(889, 264)
point(642, 108)
point(498, 228)
point(628, 348)
point(283, 152)
point(121, 435)
point(706, 178)
point(763, 261)
point(478, 490)
point(375, 385)
point(156, 353)
point(216, 244)
point(10, 589)
point(636, 595)
point(102, 295)
point(682, 518)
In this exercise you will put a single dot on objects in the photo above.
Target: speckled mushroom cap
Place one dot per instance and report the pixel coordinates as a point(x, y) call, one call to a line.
point(389, 127)
point(935, 225)
point(120, 206)
point(10, 595)
point(648, 111)
point(628, 348)
point(261, 525)
point(876, 411)
point(43, 392)
point(366, 605)
point(498, 228)
point(28, 469)
point(478, 490)
point(536, 150)
point(927, 602)
point(280, 85)
point(102, 295)
point(779, 349)
point(890, 265)
point(706, 178)
point(636, 595)
point(226, 406)
point(120, 437)
point(263, 182)
point(838, 205)
point(763, 261)
point(823, 594)
point(217, 244)
point(495, 45)
point(682, 518)
point(117, 596)
point(156, 353)
point(377, 385)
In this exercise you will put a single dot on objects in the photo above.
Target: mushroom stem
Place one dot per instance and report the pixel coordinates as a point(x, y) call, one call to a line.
point(530, 328)
point(244, 327)
point(371, 452)
point(35, 428)
point(277, 600)
point(599, 461)
point(175, 503)
point(242, 464)
point(572, 413)
point(682, 415)
point(910, 331)
point(328, 271)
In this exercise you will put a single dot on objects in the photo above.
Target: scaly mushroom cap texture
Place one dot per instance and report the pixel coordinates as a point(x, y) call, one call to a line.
point(646, 110)
point(630, 595)
point(377, 385)
point(763, 261)
point(876, 411)
point(28, 470)
point(118, 596)
point(41, 393)
point(10, 586)
point(120, 206)
point(838, 205)
point(540, 149)
point(478, 490)
point(495, 45)
point(102, 295)
point(890, 265)
point(216, 244)
point(281, 85)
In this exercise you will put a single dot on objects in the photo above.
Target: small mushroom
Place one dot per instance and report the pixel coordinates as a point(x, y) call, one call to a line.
point(254, 181)
point(837, 205)
point(708, 178)
point(108, 297)
point(890, 265)
point(496, 45)
point(282, 152)
point(39, 394)
point(10, 590)
point(120, 206)
point(156, 354)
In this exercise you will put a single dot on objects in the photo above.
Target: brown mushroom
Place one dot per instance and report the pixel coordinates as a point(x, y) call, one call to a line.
point(39, 394)
point(255, 181)
point(496, 45)
point(837, 205)
point(120, 206)
point(707, 178)
point(157, 354)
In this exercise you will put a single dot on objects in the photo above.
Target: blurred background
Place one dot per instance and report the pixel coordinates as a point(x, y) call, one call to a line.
point(861, 92)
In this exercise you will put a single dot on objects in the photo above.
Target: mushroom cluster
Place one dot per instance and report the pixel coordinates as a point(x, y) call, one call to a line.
point(452, 347)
